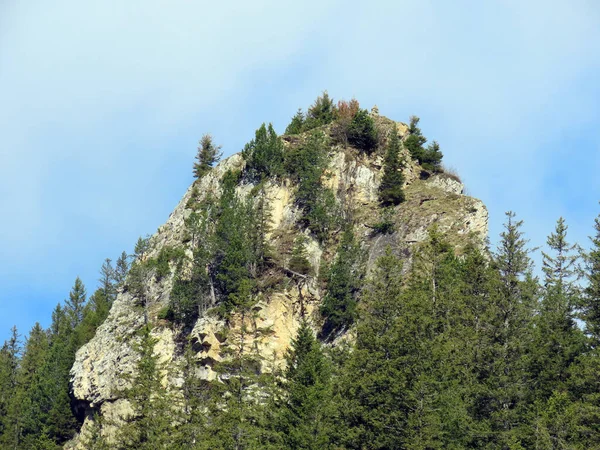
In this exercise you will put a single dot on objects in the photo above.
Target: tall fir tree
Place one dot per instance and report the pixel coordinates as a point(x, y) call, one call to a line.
point(264, 155)
point(304, 415)
point(121, 269)
point(152, 423)
point(415, 140)
point(391, 188)
point(344, 279)
point(296, 125)
point(509, 335)
point(591, 299)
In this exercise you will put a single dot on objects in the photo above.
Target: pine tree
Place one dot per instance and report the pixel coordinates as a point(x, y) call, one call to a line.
point(151, 425)
point(264, 155)
point(343, 283)
point(108, 279)
point(362, 133)
point(208, 155)
point(390, 189)
point(296, 126)
point(142, 246)
point(557, 340)
point(432, 157)
point(304, 415)
point(236, 407)
point(509, 334)
point(233, 248)
point(23, 419)
point(321, 112)
point(9, 365)
point(75, 303)
point(121, 269)
point(415, 141)
point(591, 300)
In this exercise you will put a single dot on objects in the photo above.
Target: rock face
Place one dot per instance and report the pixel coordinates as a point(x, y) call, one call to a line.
point(438, 199)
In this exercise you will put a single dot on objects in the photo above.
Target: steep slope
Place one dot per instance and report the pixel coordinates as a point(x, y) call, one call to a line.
point(354, 177)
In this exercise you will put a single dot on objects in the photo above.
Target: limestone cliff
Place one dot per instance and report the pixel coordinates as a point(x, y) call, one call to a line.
point(354, 177)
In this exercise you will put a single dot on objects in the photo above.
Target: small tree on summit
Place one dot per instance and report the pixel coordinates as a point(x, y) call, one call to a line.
point(415, 141)
point(390, 189)
point(362, 133)
point(208, 155)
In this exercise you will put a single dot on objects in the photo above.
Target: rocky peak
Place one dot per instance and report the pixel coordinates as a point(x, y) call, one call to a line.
point(354, 177)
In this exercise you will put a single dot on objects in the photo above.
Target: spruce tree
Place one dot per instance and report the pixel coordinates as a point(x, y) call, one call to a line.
point(508, 328)
point(591, 300)
point(121, 269)
point(343, 282)
point(304, 416)
point(296, 126)
point(108, 279)
point(9, 365)
point(151, 424)
point(75, 303)
point(432, 157)
point(391, 187)
point(264, 155)
point(371, 390)
point(321, 112)
point(362, 133)
point(415, 141)
point(208, 155)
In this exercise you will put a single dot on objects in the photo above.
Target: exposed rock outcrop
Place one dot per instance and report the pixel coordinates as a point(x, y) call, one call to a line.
point(97, 373)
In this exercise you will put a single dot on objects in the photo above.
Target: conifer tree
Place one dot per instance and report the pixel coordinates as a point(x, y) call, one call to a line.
point(75, 303)
point(415, 141)
point(296, 126)
point(121, 269)
point(208, 155)
point(391, 187)
point(509, 332)
point(9, 365)
point(23, 419)
point(151, 424)
point(432, 157)
point(142, 246)
point(557, 340)
point(321, 112)
point(264, 155)
point(591, 300)
point(108, 279)
point(362, 133)
point(304, 415)
point(343, 283)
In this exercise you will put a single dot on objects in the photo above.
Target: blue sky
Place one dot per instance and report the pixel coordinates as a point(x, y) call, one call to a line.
point(103, 102)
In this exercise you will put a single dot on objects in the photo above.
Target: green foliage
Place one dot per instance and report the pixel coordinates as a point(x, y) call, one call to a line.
point(161, 265)
point(306, 166)
point(362, 133)
point(558, 340)
point(151, 423)
point(386, 224)
point(304, 413)
point(343, 283)
point(296, 126)
point(299, 262)
point(591, 300)
point(208, 155)
point(263, 155)
point(430, 158)
point(415, 141)
point(391, 188)
point(321, 112)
